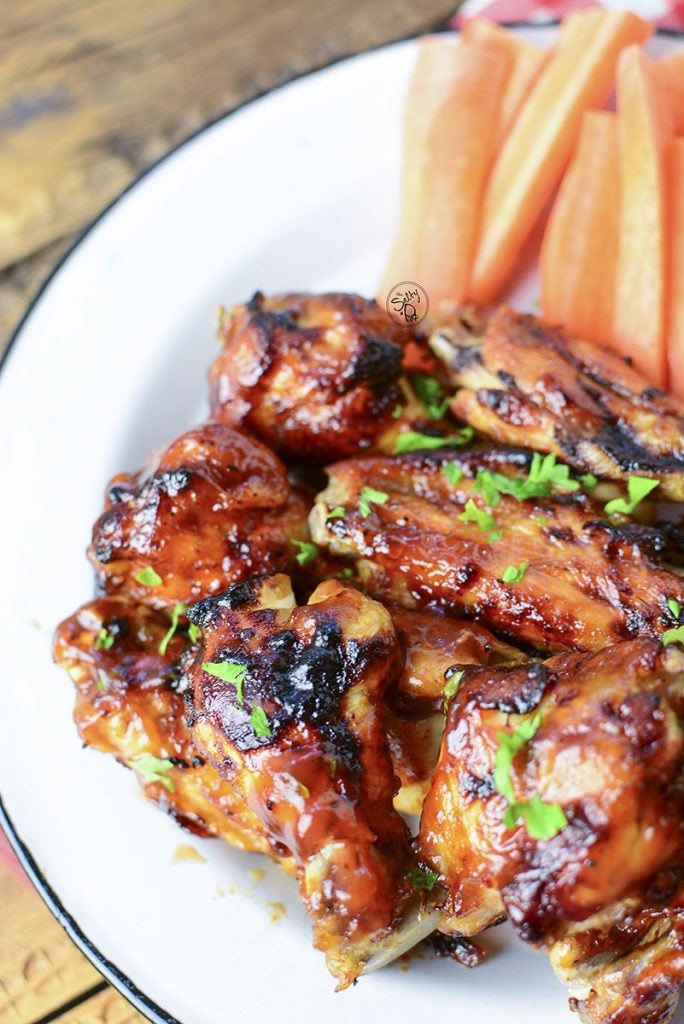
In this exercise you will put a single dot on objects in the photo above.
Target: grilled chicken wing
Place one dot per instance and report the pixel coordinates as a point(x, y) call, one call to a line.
point(624, 965)
point(579, 582)
point(559, 787)
point(288, 708)
point(211, 510)
point(523, 382)
point(129, 703)
point(314, 376)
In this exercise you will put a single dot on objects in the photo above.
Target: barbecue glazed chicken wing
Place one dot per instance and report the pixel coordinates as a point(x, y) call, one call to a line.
point(314, 376)
point(212, 509)
point(288, 708)
point(424, 528)
point(525, 383)
point(598, 736)
point(129, 703)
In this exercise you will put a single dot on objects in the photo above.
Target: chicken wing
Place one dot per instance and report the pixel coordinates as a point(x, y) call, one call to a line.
point(313, 376)
point(288, 708)
point(559, 788)
point(129, 703)
point(523, 382)
point(212, 509)
point(545, 570)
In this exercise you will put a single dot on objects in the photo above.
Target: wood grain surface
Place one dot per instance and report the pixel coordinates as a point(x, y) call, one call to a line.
point(91, 93)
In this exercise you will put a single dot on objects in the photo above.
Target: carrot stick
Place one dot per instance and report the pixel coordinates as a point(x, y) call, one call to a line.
point(579, 249)
point(639, 319)
point(674, 263)
point(578, 76)
point(451, 120)
point(527, 62)
point(670, 72)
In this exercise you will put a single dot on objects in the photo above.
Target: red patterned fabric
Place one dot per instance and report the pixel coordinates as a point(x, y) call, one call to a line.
point(668, 14)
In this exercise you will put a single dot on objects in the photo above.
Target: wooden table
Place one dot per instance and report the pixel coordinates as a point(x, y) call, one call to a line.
point(91, 93)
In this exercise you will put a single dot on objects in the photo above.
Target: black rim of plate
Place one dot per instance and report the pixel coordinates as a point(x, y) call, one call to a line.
point(117, 978)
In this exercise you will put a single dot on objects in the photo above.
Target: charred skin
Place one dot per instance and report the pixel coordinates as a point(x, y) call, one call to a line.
point(314, 376)
point(525, 383)
point(609, 750)
point(434, 646)
point(214, 508)
point(588, 584)
point(129, 703)
point(320, 780)
point(625, 964)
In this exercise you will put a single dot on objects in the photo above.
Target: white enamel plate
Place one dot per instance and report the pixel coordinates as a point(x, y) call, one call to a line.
point(297, 191)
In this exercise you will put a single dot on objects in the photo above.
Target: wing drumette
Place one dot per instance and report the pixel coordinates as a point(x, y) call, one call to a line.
point(546, 570)
point(288, 708)
point(129, 703)
point(523, 382)
point(212, 509)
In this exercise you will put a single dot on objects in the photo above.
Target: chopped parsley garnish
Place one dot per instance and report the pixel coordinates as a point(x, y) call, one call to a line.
point(473, 514)
point(588, 481)
point(234, 672)
point(542, 820)
point(412, 441)
point(674, 606)
point(674, 635)
point(260, 722)
point(514, 574)
point(422, 878)
point(431, 394)
point(495, 535)
point(544, 471)
point(452, 472)
point(346, 573)
point(397, 412)
point(104, 640)
point(307, 551)
point(451, 687)
point(178, 610)
point(148, 577)
point(369, 496)
point(541, 520)
point(638, 487)
point(335, 513)
point(153, 769)
point(194, 632)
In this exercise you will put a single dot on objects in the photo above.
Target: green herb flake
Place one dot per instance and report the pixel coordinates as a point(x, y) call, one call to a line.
point(346, 573)
point(335, 513)
point(495, 535)
point(148, 577)
point(307, 551)
point(674, 606)
point(153, 769)
point(514, 574)
point(332, 768)
point(194, 632)
point(431, 394)
point(638, 487)
point(412, 441)
point(422, 878)
point(542, 820)
point(369, 496)
point(545, 470)
point(397, 412)
point(674, 635)
point(473, 514)
point(259, 722)
point(588, 481)
point(104, 640)
point(451, 687)
point(541, 520)
point(452, 472)
point(178, 610)
point(234, 672)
